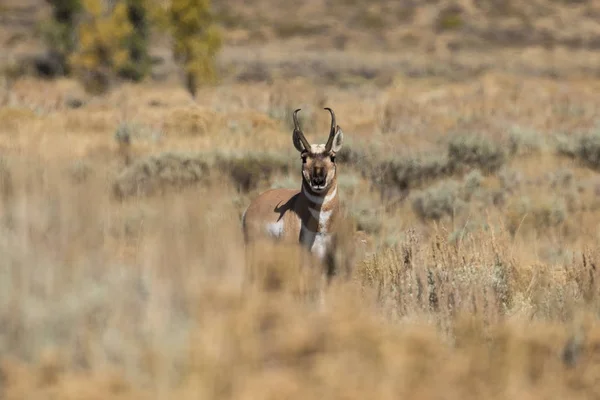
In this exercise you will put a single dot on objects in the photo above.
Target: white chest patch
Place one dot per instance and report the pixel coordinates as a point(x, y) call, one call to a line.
point(318, 242)
point(275, 229)
point(322, 217)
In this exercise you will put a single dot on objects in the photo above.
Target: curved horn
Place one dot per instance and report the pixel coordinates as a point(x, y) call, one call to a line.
point(332, 131)
point(299, 132)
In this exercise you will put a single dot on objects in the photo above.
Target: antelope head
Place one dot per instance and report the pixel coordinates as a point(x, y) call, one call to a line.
point(318, 160)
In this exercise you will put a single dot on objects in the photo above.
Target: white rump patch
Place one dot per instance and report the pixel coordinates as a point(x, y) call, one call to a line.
point(275, 229)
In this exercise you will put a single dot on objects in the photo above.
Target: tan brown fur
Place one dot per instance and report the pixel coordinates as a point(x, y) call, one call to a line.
point(302, 215)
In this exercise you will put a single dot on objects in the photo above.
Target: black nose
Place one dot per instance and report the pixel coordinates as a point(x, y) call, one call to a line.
point(318, 180)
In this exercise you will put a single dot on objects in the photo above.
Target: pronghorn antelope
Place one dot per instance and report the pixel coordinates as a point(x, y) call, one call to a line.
point(306, 215)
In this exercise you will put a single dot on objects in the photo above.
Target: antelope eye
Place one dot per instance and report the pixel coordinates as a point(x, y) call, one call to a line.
point(332, 158)
point(303, 158)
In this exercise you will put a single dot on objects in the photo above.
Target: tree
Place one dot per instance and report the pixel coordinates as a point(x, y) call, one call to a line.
point(58, 33)
point(99, 40)
point(196, 40)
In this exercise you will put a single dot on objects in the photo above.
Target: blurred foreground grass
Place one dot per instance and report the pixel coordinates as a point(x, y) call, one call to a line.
point(123, 269)
point(147, 299)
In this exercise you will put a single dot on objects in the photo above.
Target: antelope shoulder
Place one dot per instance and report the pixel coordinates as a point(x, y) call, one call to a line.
point(269, 214)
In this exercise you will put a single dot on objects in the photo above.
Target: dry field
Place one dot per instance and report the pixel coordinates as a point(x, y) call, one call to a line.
point(471, 161)
point(122, 265)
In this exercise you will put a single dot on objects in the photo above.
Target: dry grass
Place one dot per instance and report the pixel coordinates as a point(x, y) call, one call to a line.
point(149, 296)
point(123, 273)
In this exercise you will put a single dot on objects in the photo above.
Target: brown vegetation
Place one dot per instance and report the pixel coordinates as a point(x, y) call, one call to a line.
point(475, 271)
point(479, 276)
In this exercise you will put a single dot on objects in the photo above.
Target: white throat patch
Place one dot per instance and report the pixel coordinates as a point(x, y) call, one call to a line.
point(319, 199)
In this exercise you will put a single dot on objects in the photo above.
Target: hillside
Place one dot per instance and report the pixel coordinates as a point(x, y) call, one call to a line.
point(346, 42)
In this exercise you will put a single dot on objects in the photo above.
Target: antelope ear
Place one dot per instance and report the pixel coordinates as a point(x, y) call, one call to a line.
point(338, 139)
point(297, 142)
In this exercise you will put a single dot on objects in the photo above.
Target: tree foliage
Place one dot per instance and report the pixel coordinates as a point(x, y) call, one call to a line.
point(196, 39)
point(138, 62)
point(58, 32)
point(102, 52)
point(99, 41)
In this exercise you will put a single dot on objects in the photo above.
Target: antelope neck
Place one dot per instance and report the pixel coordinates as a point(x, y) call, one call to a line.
point(319, 200)
point(321, 207)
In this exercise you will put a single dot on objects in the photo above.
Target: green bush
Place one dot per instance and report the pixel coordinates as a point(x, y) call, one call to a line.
point(160, 173)
point(472, 183)
point(450, 18)
point(365, 214)
point(439, 200)
point(523, 142)
point(451, 197)
point(475, 151)
point(174, 171)
point(247, 171)
point(406, 173)
point(588, 150)
point(565, 146)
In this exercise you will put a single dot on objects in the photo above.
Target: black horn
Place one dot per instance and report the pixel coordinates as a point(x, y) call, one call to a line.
point(332, 130)
point(298, 131)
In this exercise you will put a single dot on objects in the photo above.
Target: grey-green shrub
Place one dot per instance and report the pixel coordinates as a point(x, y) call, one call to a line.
point(588, 150)
point(439, 200)
point(475, 151)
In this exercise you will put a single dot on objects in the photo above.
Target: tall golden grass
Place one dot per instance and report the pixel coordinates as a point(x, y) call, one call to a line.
point(148, 296)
